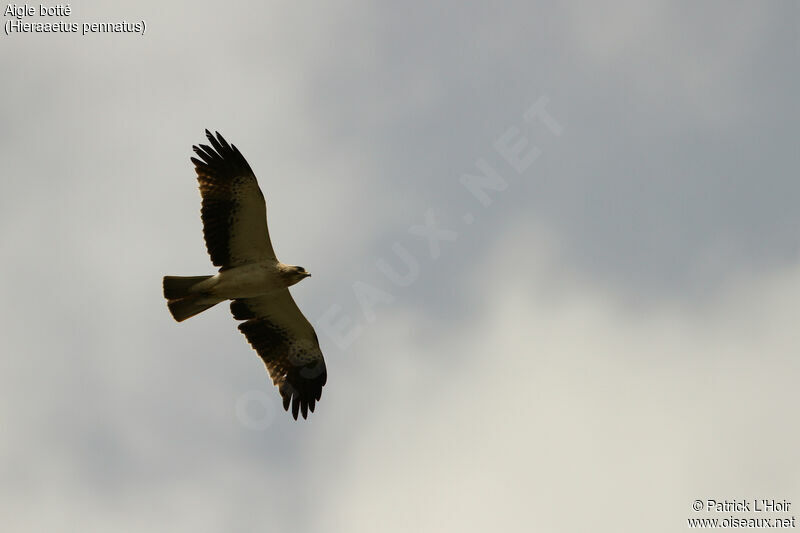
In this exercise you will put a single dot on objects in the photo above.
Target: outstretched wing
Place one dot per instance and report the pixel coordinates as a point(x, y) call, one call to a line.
point(286, 341)
point(234, 212)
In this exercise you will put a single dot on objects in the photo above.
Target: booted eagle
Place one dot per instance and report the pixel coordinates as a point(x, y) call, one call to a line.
point(235, 229)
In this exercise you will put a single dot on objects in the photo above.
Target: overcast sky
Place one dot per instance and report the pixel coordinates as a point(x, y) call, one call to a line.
point(555, 253)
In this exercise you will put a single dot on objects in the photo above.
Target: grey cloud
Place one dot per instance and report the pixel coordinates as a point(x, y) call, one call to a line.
point(607, 306)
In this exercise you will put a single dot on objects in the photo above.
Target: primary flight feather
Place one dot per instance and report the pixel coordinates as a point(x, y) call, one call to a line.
point(234, 218)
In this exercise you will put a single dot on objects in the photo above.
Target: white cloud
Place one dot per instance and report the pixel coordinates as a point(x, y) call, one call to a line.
point(573, 411)
point(562, 403)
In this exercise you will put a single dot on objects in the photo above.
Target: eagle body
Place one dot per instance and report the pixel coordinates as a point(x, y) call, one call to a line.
point(234, 218)
point(250, 280)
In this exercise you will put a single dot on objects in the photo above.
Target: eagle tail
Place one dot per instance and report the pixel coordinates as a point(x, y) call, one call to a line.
point(184, 308)
point(182, 302)
point(176, 287)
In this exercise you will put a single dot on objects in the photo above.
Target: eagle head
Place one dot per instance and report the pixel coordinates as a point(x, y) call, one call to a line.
point(294, 274)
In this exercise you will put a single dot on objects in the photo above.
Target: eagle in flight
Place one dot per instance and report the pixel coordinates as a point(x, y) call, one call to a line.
point(235, 229)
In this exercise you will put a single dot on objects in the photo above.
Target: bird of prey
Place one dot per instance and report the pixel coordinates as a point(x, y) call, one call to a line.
point(235, 229)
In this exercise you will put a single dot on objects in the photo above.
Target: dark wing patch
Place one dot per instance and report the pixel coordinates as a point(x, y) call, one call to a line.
point(288, 346)
point(241, 311)
point(234, 213)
